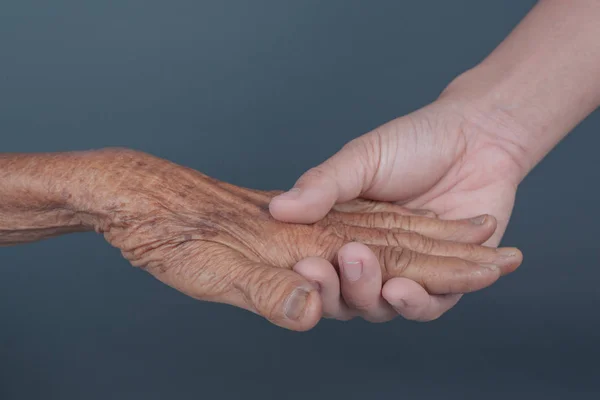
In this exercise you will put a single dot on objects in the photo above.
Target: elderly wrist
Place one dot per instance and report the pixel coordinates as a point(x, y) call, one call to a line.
point(106, 186)
point(81, 186)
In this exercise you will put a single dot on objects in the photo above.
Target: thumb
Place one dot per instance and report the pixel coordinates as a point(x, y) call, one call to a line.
point(282, 296)
point(221, 275)
point(341, 178)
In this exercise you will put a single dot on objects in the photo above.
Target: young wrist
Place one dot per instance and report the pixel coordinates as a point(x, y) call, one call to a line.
point(495, 110)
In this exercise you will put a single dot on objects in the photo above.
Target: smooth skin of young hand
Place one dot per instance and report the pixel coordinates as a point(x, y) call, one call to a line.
point(461, 156)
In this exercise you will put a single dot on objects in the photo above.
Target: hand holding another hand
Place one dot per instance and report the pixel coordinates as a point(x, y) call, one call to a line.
point(450, 157)
point(218, 242)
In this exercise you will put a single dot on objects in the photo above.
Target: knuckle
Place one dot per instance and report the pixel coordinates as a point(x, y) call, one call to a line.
point(367, 148)
point(420, 243)
point(256, 285)
point(392, 220)
point(404, 259)
point(406, 222)
point(329, 239)
point(393, 238)
point(395, 261)
point(376, 219)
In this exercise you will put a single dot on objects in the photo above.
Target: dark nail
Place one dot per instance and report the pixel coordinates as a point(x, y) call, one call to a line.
point(295, 304)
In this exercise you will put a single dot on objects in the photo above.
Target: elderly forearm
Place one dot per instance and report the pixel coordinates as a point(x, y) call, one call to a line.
point(37, 196)
point(48, 194)
point(540, 82)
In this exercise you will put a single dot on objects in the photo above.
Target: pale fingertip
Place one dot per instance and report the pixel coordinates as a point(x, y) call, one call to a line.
point(407, 297)
point(396, 291)
point(317, 269)
point(362, 291)
point(413, 302)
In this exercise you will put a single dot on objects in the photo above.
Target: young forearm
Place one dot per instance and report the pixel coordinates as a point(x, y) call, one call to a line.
point(541, 81)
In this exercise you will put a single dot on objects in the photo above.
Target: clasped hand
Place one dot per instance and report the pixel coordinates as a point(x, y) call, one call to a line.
point(218, 242)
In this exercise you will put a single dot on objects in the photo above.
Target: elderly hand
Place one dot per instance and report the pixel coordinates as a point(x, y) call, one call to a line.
point(346, 294)
point(217, 242)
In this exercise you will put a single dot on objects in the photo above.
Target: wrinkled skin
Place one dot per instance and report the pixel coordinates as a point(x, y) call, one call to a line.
point(449, 157)
point(218, 242)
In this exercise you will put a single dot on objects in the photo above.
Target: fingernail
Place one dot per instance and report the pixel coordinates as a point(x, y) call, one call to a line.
point(291, 194)
point(506, 252)
point(352, 270)
point(478, 220)
point(295, 303)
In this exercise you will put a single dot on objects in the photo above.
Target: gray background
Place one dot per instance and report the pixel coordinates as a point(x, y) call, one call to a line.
point(255, 92)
